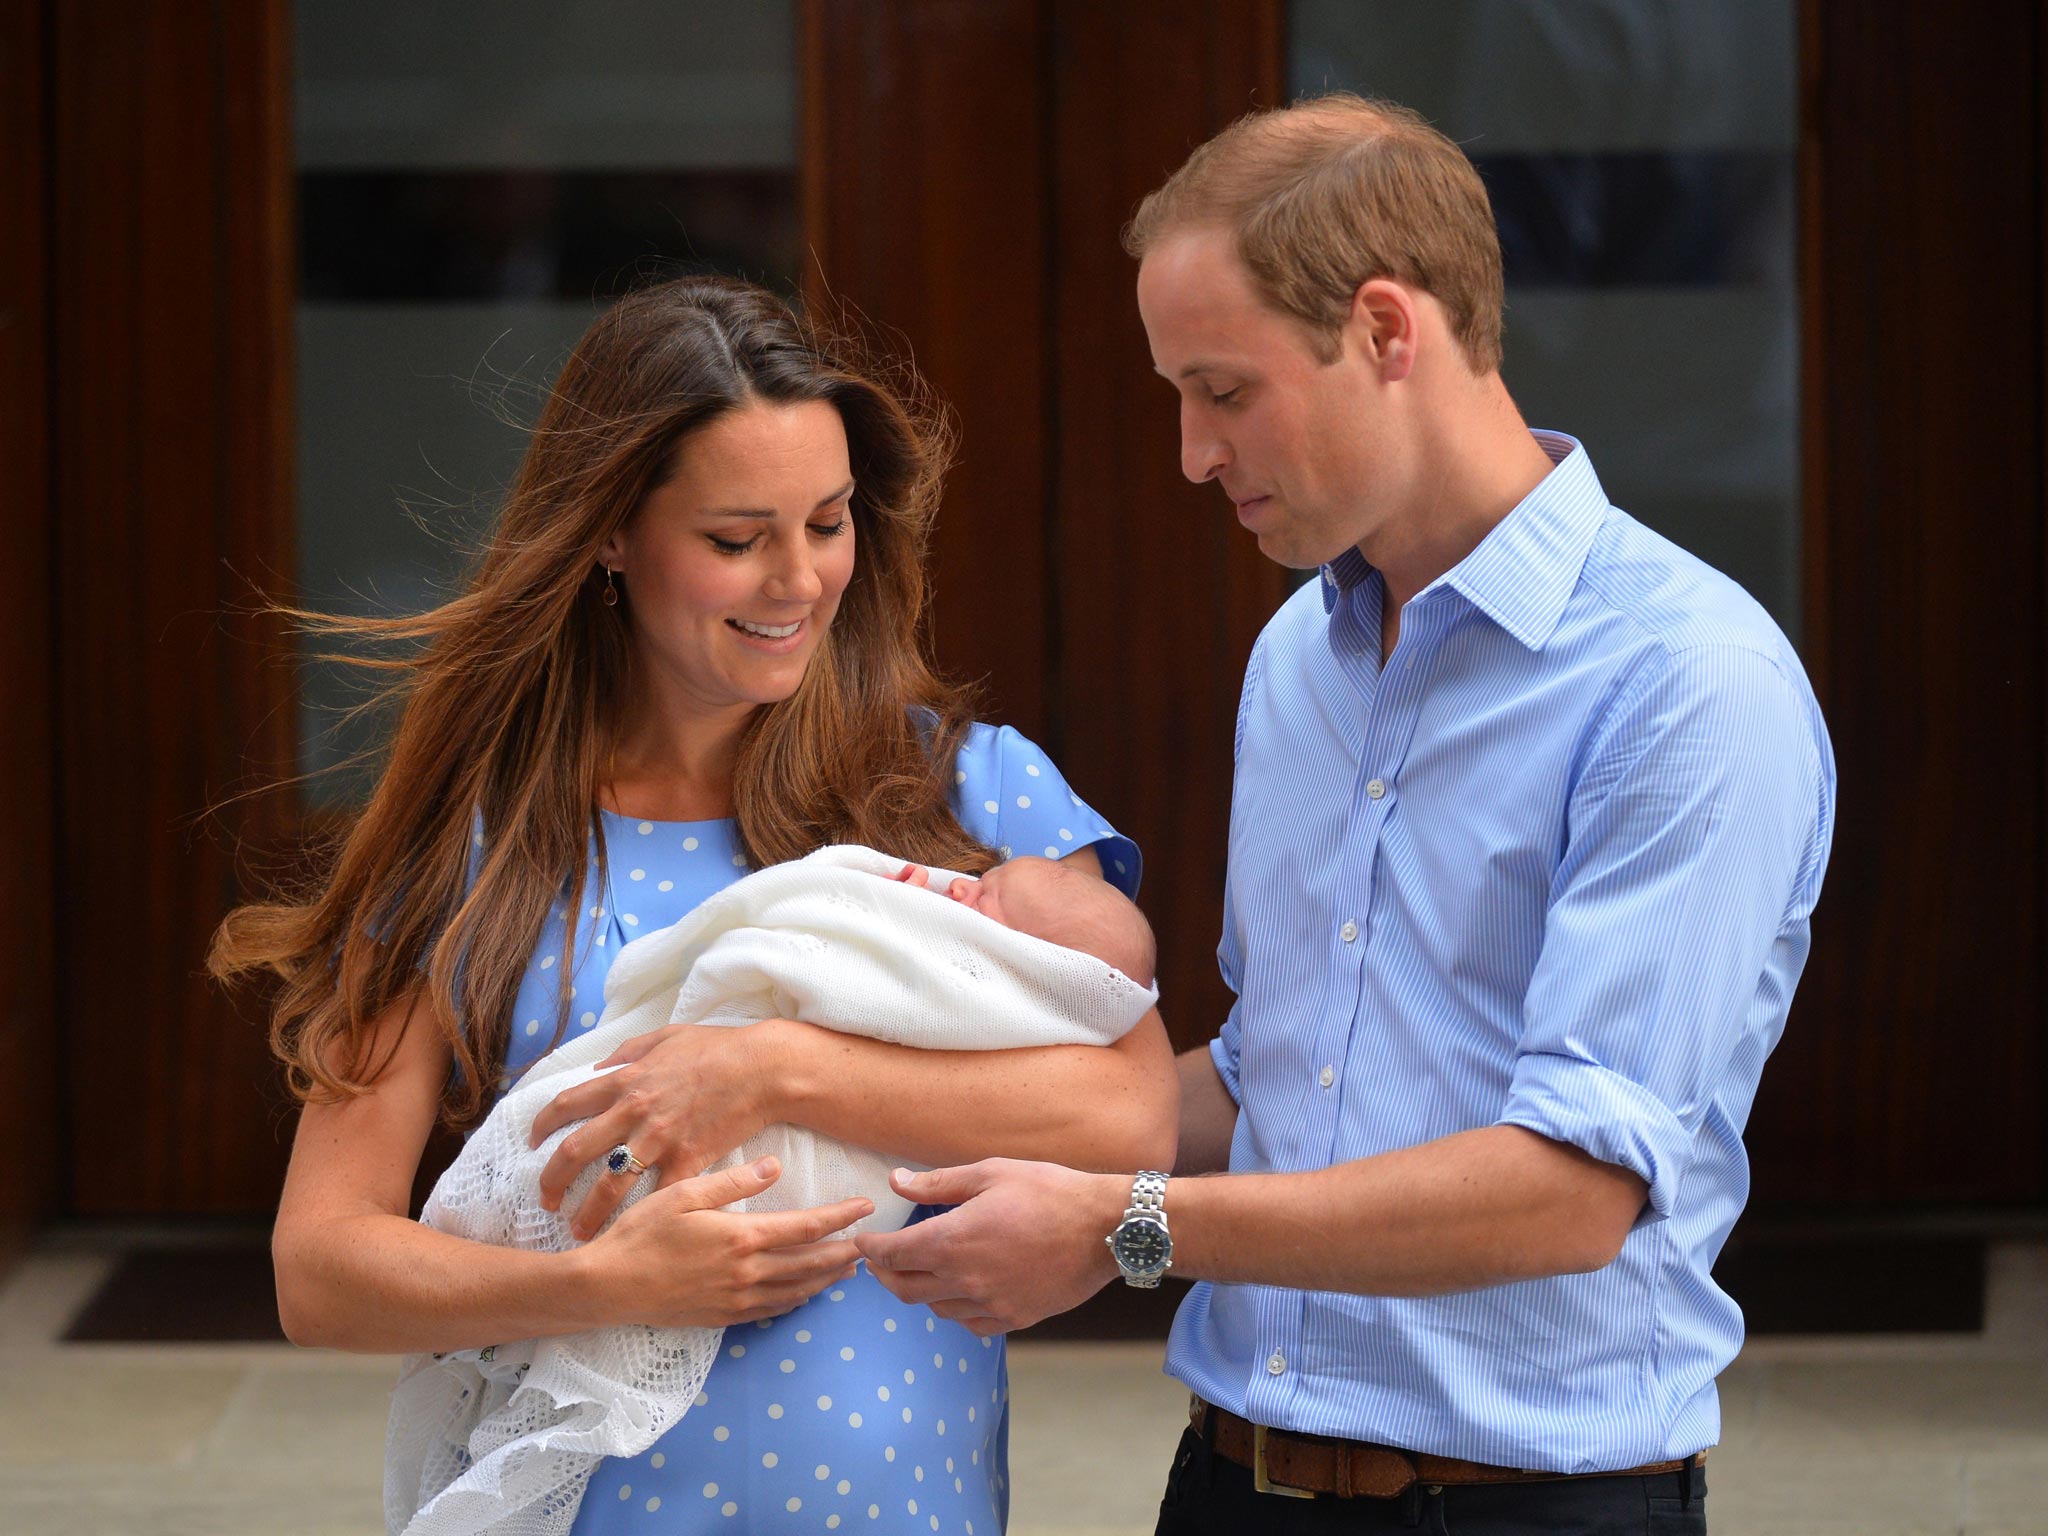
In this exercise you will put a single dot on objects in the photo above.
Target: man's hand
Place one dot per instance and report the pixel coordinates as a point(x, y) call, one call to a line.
point(1026, 1241)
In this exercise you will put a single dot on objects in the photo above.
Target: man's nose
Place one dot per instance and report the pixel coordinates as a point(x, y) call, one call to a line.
point(1202, 452)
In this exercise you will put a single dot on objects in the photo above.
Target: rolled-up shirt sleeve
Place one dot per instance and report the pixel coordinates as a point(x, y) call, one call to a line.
point(1226, 1049)
point(1695, 837)
point(1223, 1051)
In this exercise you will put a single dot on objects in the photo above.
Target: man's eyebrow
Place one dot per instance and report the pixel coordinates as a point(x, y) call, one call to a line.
point(1201, 365)
point(765, 513)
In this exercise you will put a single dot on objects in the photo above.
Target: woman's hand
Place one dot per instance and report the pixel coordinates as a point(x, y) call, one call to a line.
point(686, 1095)
point(675, 1260)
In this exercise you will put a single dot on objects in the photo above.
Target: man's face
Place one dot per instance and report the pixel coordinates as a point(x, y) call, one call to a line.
point(1303, 448)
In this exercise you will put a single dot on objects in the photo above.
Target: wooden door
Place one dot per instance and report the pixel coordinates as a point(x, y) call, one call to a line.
point(1912, 1068)
point(968, 169)
point(969, 166)
point(28, 888)
point(169, 413)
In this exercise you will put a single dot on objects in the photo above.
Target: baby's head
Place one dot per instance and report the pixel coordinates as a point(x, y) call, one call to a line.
point(1065, 906)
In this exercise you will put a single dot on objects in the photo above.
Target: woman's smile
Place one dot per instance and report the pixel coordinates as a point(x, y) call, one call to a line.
point(776, 639)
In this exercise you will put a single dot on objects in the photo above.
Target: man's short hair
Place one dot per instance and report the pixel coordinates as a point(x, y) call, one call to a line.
point(1331, 192)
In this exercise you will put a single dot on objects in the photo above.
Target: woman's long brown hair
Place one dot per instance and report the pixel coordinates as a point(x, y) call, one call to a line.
point(513, 691)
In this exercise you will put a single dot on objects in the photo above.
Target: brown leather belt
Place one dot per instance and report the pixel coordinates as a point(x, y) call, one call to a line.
point(1301, 1466)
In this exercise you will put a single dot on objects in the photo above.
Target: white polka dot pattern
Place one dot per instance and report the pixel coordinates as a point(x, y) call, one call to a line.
point(817, 1467)
point(708, 1472)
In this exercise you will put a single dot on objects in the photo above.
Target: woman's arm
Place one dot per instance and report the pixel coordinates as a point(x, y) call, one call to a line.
point(354, 1272)
point(690, 1093)
point(1110, 1108)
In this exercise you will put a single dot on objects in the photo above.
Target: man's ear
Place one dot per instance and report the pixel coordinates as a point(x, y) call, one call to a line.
point(1383, 325)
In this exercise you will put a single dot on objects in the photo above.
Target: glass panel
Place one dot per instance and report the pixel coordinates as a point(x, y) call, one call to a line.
point(474, 177)
point(1640, 158)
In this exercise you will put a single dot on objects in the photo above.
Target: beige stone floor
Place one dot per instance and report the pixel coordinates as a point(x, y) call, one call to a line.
point(1850, 1437)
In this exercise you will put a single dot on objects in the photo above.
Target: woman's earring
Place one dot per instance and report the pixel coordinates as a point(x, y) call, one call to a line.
point(611, 593)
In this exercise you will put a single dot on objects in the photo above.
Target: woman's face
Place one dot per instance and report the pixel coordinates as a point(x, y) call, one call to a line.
point(734, 567)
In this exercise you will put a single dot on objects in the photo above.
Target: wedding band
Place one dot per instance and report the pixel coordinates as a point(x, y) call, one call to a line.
point(621, 1160)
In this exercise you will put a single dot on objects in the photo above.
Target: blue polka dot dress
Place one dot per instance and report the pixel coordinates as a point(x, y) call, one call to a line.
point(855, 1411)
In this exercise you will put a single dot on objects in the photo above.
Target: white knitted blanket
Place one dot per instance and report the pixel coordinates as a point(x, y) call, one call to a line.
point(504, 1439)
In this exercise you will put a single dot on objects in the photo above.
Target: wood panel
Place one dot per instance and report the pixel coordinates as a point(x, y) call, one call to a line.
point(968, 169)
point(1912, 1068)
point(2040, 635)
point(923, 187)
point(967, 164)
point(28, 894)
point(171, 185)
point(1156, 593)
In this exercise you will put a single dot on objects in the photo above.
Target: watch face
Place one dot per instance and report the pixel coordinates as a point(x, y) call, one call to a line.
point(1142, 1245)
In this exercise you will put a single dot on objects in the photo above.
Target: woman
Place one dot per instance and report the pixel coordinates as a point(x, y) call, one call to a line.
point(692, 649)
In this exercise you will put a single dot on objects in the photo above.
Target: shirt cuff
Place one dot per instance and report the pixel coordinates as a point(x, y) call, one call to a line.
point(1226, 1068)
point(1605, 1115)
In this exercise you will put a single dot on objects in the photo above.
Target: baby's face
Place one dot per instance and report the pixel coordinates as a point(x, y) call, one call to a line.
point(1018, 893)
point(1059, 904)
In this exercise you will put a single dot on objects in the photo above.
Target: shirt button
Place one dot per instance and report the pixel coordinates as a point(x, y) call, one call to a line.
point(1376, 790)
point(1276, 1363)
point(1349, 932)
point(1327, 1076)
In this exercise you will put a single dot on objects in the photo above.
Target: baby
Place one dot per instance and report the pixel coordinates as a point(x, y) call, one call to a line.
point(848, 939)
point(1058, 903)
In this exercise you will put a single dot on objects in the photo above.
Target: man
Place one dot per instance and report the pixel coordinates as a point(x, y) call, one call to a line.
point(1530, 811)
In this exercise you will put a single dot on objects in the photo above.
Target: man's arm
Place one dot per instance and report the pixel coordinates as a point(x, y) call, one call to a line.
point(1484, 1207)
point(1698, 830)
point(1208, 1115)
point(1480, 1208)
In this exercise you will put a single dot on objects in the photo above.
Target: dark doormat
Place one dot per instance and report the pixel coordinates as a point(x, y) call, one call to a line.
point(1784, 1283)
point(1854, 1282)
point(1117, 1311)
point(1799, 1281)
point(183, 1295)
point(225, 1295)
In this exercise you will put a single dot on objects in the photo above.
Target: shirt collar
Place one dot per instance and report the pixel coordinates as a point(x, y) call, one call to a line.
point(1523, 572)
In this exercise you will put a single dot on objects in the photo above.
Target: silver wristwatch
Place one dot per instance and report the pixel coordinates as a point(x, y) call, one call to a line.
point(1141, 1245)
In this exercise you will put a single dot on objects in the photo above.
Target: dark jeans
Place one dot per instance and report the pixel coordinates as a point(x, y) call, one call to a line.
point(1209, 1496)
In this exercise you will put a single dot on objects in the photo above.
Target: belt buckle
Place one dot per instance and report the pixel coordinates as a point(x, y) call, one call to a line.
point(1263, 1483)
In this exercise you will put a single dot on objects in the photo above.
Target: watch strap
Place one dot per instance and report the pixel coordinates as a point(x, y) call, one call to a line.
point(1148, 1193)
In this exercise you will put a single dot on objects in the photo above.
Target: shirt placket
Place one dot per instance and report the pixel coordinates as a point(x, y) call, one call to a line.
point(1391, 700)
point(1376, 790)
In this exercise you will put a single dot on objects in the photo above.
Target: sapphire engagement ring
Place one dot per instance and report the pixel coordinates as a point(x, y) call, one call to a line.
point(621, 1160)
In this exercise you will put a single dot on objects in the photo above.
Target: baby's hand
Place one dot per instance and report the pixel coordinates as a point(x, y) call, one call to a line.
point(917, 875)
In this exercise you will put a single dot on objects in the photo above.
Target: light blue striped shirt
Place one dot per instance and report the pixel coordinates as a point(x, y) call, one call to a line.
point(1551, 867)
